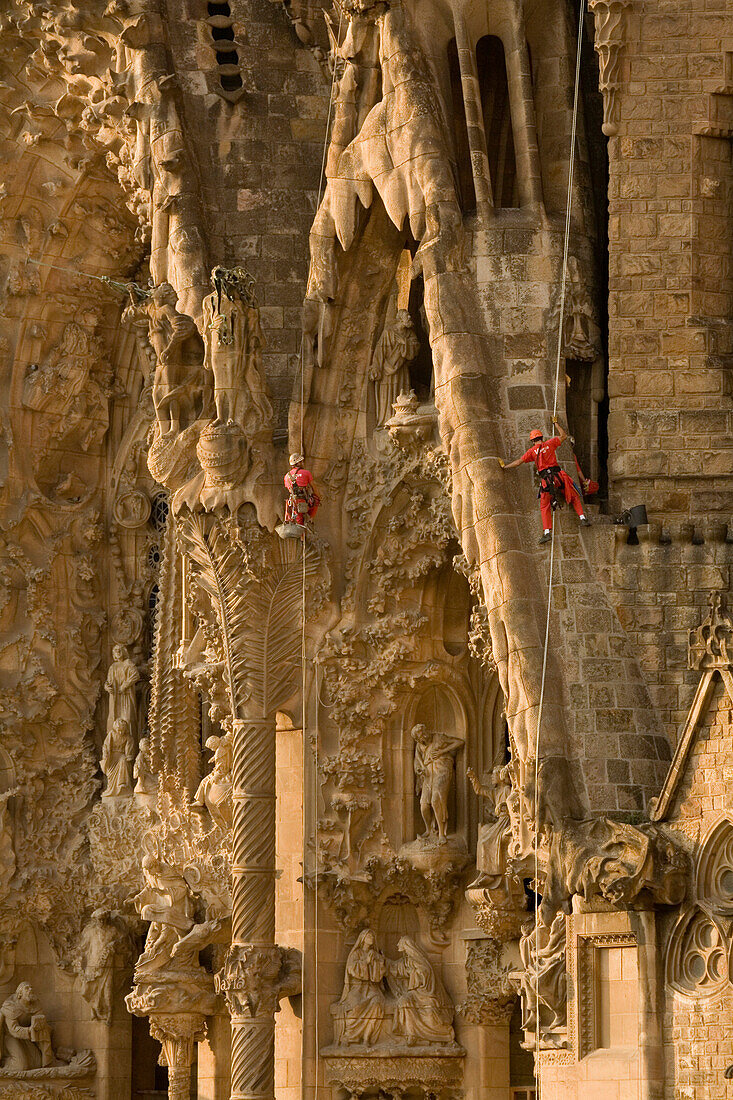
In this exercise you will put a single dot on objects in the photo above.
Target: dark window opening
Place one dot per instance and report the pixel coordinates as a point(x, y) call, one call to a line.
point(219, 9)
point(222, 37)
point(421, 367)
point(227, 57)
point(159, 512)
point(580, 410)
point(494, 90)
point(466, 191)
point(222, 34)
point(230, 82)
point(521, 1061)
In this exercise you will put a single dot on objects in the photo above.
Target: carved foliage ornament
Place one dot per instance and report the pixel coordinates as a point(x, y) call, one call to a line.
point(609, 37)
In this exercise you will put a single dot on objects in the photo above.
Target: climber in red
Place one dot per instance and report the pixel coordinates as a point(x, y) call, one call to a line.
point(555, 484)
point(303, 500)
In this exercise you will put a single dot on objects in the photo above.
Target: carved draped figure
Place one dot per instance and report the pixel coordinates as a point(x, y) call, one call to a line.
point(362, 1007)
point(122, 678)
point(423, 1011)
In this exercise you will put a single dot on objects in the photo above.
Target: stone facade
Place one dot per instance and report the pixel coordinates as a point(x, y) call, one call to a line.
point(319, 776)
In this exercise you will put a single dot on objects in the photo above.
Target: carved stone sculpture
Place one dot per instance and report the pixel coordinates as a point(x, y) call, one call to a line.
point(105, 935)
point(214, 792)
point(26, 1035)
point(233, 340)
point(361, 1009)
point(123, 677)
point(177, 383)
point(391, 1003)
point(166, 901)
point(145, 782)
point(434, 769)
point(397, 347)
point(494, 838)
point(118, 754)
point(423, 1012)
point(543, 983)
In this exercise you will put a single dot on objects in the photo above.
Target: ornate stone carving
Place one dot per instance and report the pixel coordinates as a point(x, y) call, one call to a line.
point(255, 979)
point(434, 768)
point(118, 754)
point(612, 860)
point(27, 1047)
point(580, 330)
point(710, 645)
point(491, 992)
point(105, 935)
point(396, 348)
point(123, 677)
point(543, 983)
point(399, 1003)
point(609, 39)
point(214, 792)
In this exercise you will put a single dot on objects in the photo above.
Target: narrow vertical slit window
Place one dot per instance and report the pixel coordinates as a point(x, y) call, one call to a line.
point(494, 89)
point(466, 190)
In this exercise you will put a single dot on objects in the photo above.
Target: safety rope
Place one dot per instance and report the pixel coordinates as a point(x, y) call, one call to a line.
point(304, 758)
point(561, 321)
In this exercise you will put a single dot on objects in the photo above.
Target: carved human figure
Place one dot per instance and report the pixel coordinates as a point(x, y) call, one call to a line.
point(423, 1011)
point(494, 836)
point(362, 1006)
point(123, 676)
point(579, 317)
point(215, 790)
point(167, 902)
point(233, 342)
point(26, 1035)
point(434, 768)
point(145, 781)
point(397, 347)
point(118, 754)
point(174, 339)
point(102, 937)
point(544, 981)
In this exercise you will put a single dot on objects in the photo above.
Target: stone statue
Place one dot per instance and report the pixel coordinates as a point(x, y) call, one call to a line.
point(141, 773)
point(397, 347)
point(544, 981)
point(434, 767)
point(123, 676)
point(361, 1009)
point(215, 790)
point(233, 341)
point(103, 936)
point(177, 346)
point(167, 902)
point(391, 1003)
point(423, 1011)
point(118, 753)
point(26, 1035)
point(495, 836)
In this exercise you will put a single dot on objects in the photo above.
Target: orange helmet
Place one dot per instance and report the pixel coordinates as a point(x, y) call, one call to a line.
point(535, 434)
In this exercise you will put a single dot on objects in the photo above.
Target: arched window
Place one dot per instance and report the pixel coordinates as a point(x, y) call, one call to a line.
point(466, 191)
point(494, 89)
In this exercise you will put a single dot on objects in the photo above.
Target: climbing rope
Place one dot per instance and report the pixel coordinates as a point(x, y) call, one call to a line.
point(304, 757)
point(561, 321)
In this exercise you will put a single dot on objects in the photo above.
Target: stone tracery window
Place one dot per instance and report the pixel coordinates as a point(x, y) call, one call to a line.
point(494, 90)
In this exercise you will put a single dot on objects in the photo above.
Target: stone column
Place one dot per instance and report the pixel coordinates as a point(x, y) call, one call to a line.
point(177, 1033)
point(482, 182)
point(250, 976)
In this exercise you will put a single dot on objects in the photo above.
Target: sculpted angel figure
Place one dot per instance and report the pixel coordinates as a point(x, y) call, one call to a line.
point(434, 768)
point(118, 754)
point(423, 1011)
point(362, 1006)
point(26, 1035)
point(167, 902)
point(123, 677)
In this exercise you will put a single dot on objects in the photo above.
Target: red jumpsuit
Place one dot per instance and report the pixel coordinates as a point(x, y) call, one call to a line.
point(302, 497)
point(544, 457)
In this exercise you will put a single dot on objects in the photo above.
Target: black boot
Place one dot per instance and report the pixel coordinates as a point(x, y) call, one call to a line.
point(585, 522)
point(546, 537)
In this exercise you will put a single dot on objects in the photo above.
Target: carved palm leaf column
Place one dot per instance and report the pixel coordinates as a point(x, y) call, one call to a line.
point(253, 583)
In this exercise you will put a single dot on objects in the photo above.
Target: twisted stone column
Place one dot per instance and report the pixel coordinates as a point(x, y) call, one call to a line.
point(250, 978)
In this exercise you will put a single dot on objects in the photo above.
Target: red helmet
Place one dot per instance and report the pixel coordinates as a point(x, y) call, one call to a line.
point(535, 434)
